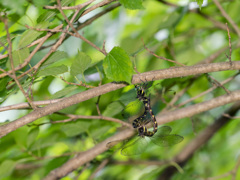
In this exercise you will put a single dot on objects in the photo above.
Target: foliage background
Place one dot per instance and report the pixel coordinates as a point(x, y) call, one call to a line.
point(126, 37)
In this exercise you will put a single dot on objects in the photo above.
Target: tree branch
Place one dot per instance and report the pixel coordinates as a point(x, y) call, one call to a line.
point(139, 78)
point(89, 155)
point(200, 140)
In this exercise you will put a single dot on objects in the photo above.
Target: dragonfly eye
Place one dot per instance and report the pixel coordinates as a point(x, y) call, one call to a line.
point(134, 125)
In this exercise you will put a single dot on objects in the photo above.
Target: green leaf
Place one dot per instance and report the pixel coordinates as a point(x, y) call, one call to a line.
point(32, 135)
point(3, 83)
point(132, 4)
point(75, 128)
point(56, 162)
point(53, 71)
point(113, 109)
point(56, 56)
point(18, 57)
point(41, 3)
point(45, 142)
point(30, 35)
point(118, 66)
point(6, 168)
point(80, 64)
point(97, 131)
point(20, 136)
point(46, 16)
point(17, 6)
point(63, 92)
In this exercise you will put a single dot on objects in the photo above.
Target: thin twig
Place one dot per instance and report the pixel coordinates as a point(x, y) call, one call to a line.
point(230, 46)
point(231, 117)
point(27, 60)
point(99, 168)
point(100, 4)
point(206, 92)
point(161, 57)
point(97, 105)
point(53, 49)
point(73, 117)
point(80, 6)
point(223, 12)
point(12, 64)
point(76, 32)
point(214, 81)
point(148, 76)
point(77, 84)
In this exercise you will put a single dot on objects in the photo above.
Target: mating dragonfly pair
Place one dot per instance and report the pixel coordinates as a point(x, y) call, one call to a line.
point(159, 136)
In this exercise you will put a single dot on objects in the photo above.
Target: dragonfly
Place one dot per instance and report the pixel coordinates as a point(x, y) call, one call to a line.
point(140, 143)
point(141, 97)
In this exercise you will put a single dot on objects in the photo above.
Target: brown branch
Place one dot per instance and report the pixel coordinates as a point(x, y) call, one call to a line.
point(184, 71)
point(199, 141)
point(76, 32)
point(74, 117)
point(87, 156)
point(26, 105)
point(206, 92)
point(148, 76)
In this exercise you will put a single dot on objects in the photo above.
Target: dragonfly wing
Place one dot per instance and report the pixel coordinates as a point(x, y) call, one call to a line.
point(135, 147)
point(163, 130)
point(133, 109)
point(115, 145)
point(167, 140)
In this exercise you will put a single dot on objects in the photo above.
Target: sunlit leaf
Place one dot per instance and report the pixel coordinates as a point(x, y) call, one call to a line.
point(56, 56)
point(75, 128)
point(20, 137)
point(53, 71)
point(54, 163)
point(65, 91)
point(133, 4)
point(32, 135)
point(30, 35)
point(18, 6)
point(118, 66)
point(113, 109)
point(6, 168)
point(80, 64)
point(18, 57)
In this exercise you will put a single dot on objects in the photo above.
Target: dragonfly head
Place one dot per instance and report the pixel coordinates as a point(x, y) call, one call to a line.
point(141, 131)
